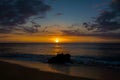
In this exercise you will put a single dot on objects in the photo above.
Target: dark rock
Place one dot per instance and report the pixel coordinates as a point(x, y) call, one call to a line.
point(60, 59)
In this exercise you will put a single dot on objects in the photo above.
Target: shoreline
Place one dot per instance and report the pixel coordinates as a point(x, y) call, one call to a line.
point(18, 72)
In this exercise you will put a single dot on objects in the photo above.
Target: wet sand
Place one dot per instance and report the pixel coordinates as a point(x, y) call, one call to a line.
point(9, 71)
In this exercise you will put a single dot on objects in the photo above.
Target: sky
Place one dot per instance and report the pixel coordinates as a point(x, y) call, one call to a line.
point(69, 21)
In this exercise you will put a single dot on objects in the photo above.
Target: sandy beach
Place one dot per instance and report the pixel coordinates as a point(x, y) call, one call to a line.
point(9, 71)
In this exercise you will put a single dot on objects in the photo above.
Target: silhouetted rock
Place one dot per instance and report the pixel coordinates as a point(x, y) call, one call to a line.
point(60, 59)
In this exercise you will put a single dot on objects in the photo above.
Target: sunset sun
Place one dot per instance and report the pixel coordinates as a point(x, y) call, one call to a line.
point(57, 40)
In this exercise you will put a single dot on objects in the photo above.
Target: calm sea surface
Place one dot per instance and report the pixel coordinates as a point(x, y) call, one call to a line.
point(81, 49)
point(77, 49)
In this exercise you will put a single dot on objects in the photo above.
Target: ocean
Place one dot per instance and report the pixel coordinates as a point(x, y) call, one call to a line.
point(107, 54)
point(75, 49)
point(93, 60)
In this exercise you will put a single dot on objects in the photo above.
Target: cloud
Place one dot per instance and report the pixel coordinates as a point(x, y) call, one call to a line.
point(45, 29)
point(71, 32)
point(74, 25)
point(32, 29)
point(108, 20)
point(5, 29)
point(59, 14)
point(3, 36)
point(100, 35)
point(17, 12)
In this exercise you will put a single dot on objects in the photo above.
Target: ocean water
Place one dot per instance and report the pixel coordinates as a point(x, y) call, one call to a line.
point(75, 49)
point(107, 54)
point(100, 61)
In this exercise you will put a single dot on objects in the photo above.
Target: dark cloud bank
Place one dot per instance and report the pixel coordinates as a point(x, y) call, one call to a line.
point(16, 12)
point(108, 20)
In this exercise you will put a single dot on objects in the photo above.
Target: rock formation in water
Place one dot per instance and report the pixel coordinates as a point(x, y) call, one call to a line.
point(60, 59)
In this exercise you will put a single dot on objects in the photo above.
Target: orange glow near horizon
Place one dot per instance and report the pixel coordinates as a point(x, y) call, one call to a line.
point(54, 39)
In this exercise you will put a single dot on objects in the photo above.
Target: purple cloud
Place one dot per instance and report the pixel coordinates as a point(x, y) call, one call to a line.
point(108, 20)
point(17, 12)
point(71, 32)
